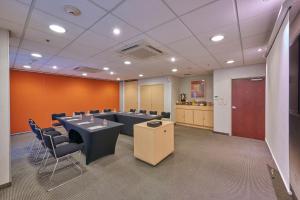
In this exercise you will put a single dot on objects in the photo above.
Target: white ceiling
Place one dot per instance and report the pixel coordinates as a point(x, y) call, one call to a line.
point(179, 28)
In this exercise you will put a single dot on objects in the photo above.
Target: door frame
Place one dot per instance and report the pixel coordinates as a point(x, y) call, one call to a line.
point(251, 77)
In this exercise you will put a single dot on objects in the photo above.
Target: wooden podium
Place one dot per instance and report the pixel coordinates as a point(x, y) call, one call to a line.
point(152, 145)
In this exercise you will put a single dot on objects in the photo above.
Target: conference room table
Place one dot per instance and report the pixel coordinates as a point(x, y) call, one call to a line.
point(129, 119)
point(98, 135)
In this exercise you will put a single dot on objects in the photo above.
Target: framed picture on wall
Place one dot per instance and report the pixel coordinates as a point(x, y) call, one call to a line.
point(197, 89)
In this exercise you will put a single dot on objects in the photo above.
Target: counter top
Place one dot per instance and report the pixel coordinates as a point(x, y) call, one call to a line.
point(194, 107)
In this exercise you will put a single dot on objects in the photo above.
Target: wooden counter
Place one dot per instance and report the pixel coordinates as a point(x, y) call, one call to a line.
point(195, 116)
point(152, 145)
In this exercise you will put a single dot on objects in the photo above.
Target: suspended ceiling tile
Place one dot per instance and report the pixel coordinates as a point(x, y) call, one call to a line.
point(144, 14)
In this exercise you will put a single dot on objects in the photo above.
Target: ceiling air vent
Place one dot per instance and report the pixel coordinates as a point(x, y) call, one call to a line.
point(141, 50)
point(87, 69)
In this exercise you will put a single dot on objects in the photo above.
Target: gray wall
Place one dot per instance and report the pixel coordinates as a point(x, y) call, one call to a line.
point(185, 86)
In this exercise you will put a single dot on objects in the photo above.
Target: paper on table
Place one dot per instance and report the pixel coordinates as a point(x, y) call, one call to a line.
point(95, 127)
point(70, 120)
point(81, 123)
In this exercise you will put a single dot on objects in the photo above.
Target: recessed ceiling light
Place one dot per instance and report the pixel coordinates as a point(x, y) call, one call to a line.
point(105, 68)
point(173, 59)
point(230, 61)
point(127, 62)
point(116, 31)
point(111, 73)
point(54, 67)
point(174, 70)
point(217, 38)
point(141, 75)
point(259, 50)
point(118, 79)
point(36, 55)
point(84, 74)
point(57, 28)
point(27, 66)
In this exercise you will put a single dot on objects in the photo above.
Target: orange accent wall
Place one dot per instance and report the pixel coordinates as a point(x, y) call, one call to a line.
point(37, 96)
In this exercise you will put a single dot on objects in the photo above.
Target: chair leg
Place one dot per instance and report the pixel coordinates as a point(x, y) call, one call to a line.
point(54, 169)
point(70, 159)
point(41, 162)
point(32, 145)
point(38, 152)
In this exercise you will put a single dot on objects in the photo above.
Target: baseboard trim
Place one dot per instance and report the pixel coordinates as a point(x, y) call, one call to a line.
point(194, 126)
point(20, 133)
point(285, 183)
point(221, 133)
point(293, 193)
point(5, 185)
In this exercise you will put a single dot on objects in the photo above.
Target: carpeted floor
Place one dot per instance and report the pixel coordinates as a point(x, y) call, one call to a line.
point(205, 166)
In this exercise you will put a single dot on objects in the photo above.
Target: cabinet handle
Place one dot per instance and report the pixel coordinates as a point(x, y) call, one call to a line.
point(165, 131)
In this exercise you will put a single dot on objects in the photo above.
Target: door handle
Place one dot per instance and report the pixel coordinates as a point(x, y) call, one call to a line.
point(233, 107)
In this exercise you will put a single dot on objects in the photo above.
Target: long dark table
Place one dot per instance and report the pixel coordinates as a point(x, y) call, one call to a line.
point(128, 119)
point(98, 142)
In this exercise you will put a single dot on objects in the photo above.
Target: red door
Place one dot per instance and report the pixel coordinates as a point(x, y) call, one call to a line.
point(248, 108)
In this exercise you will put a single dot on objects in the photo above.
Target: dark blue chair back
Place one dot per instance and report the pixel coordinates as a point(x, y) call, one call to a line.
point(56, 115)
point(166, 115)
point(94, 111)
point(143, 111)
point(153, 112)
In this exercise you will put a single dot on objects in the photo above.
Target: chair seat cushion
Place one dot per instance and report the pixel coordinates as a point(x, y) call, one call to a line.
point(60, 139)
point(47, 129)
point(57, 124)
point(53, 133)
point(68, 149)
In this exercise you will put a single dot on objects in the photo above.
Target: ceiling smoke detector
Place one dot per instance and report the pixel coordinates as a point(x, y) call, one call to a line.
point(72, 10)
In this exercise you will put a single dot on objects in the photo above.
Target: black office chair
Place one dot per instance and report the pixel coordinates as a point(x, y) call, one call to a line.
point(107, 110)
point(79, 113)
point(31, 121)
point(94, 111)
point(143, 111)
point(59, 153)
point(58, 138)
point(33, 126)
point(166, 115)
point(54, 117)
point(153, 112)
point(132, 110)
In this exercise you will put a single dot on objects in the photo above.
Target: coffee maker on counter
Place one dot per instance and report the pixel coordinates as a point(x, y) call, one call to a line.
point(182, 98)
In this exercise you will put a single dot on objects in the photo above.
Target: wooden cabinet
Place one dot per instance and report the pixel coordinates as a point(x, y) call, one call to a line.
point(208, 118)
point(180, 115)
point(153, 144)
point(152, 97)
point(196, 116)
point(189, 116)
point(130, 95)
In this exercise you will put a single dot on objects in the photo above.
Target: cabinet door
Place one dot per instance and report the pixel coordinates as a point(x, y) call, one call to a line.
point(157, 98)
point(189, 116)
point(199, 117)
point(131, 95)
point(208, 118)
point(145, 97)
point(180, 115)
